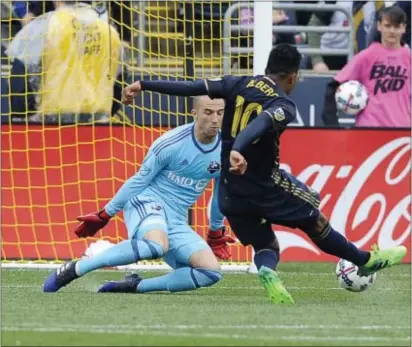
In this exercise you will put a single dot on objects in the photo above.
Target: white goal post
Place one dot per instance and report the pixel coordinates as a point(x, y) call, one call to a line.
point(262, 45)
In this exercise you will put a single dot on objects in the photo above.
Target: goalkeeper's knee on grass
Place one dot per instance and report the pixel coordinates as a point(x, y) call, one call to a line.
point(205, 277)
point(193, 278)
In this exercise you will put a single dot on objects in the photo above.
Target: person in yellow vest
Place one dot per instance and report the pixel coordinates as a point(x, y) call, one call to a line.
point(71, 58)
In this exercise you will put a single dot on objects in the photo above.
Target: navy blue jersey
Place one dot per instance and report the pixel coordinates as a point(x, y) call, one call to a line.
point(247, 98)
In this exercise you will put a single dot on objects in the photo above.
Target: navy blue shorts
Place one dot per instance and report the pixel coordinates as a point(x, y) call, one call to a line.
point(289, 203)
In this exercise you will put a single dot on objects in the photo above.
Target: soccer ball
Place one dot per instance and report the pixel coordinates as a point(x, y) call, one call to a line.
point(350, 279)
point(351, 97)
point(96, 248)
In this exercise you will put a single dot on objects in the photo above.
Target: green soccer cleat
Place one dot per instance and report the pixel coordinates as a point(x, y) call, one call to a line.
point(274, 287)
point(382, 258)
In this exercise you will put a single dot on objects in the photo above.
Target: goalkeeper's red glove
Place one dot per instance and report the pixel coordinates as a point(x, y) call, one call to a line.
point(219, 241)
point(91, 223)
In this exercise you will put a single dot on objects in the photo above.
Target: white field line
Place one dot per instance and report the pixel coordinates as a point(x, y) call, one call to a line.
point(136, 330)
point(312, 288)
point(217, 327)
point(236, 269)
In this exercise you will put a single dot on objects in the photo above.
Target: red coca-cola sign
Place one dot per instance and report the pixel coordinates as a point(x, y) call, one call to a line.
point(50, 175)
point(363, 177)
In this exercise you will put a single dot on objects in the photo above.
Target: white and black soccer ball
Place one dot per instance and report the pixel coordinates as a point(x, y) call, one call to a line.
point(349, 277)
point(351, 97)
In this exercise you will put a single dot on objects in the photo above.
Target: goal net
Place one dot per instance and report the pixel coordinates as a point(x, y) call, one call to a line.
point(62, 154)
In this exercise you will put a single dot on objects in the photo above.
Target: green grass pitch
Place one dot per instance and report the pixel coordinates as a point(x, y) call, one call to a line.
point(235, 312)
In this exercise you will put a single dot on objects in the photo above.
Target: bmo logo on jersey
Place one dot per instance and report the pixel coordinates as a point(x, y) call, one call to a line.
point(198, 185)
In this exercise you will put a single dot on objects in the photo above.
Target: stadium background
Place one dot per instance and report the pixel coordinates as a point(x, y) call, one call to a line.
point(50, 173)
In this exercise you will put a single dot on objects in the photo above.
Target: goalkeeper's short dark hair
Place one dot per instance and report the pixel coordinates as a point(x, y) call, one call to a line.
point(284, 59)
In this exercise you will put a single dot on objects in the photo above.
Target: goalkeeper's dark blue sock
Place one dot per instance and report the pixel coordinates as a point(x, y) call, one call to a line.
point(124, 253)
point(336, 244)
point(180, 280)
point(266, 257)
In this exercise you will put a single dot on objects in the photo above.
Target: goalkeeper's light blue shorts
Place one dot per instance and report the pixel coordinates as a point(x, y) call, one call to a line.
point(143, 214)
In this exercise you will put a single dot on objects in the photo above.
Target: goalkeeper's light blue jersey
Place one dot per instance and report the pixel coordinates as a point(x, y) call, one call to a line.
point(176, 171)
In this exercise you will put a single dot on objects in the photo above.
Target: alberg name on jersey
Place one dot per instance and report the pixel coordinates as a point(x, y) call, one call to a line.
point(246, 97)
point(262, 86)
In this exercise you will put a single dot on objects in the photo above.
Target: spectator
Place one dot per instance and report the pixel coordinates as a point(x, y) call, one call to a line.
point(329, 40)
point(279, 17)
point(385, 70)
point(121, 16)
point(77, 55)
point(26, 11)
point(10, 25)
point(303, 17)
point(210, 10)
point(22, 11)
point(374, 34)
point(246, 17)
point(363, 12)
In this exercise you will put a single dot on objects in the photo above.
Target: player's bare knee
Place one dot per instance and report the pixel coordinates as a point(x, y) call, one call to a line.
point(160, 238)
point(204, 259)
point(272, 245)
point(320, 230)
point(205, 268)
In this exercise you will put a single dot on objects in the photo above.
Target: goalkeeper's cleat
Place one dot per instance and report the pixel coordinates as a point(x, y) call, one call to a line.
point(382, 258)
point(132, 277)
point(61, 277)
point(274, 287)
point(128, 285)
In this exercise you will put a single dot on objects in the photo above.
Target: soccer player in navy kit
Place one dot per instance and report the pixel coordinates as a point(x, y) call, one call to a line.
point(254, 192)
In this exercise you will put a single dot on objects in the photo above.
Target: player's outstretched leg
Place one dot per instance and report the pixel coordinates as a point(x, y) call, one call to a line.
point(252, 231)
point(124, 253)
point(61, 277)
point(334, 243)
point(128, 285)
point(179, 280)
point(266, 261)
point(194, 264)
point(274, 287)
point(380, 259)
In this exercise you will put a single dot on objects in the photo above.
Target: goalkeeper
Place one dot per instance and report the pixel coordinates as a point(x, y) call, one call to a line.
point(155, 201)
